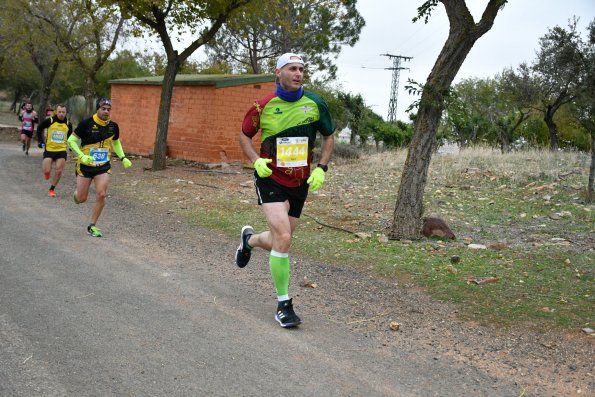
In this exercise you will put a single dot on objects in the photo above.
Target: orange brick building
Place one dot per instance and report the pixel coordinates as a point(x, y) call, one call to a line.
point(205, 119)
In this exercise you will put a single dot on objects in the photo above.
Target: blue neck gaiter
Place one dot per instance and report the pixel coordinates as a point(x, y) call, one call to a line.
point(289, 96)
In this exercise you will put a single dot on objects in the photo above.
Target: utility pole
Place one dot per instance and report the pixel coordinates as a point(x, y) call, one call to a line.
point(394, 89)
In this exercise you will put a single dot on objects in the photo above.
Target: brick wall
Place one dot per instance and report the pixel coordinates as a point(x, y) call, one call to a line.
point(204, 125)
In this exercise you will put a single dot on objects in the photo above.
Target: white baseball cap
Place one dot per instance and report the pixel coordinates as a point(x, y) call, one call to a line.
point(289, 57)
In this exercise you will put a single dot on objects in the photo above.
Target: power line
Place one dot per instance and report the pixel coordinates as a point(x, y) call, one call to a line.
point(394, 89)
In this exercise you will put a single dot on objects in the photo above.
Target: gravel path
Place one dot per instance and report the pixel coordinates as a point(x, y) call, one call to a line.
point(549, 364)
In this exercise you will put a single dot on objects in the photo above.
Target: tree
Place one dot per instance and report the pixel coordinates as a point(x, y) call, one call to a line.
point(516, 95)
point(124, 65)
point(317, 29)
point(463, 34)
point(559, 67)
point(86, 30)
point(355, 107)
point(468, 107)
point(585, 104)
point(164, 18)
point(17, 73)
point(26, 36)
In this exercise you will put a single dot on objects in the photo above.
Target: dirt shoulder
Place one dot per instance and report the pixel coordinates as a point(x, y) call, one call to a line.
point(541, 364)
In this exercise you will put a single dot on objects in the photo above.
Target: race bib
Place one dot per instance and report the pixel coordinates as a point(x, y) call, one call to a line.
point(99, 154)
point(292, 152)
point(27, 125)
point(57, 137)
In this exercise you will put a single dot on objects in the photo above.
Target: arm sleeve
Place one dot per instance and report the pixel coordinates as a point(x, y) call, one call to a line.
point(73, 143)
point(117, 145)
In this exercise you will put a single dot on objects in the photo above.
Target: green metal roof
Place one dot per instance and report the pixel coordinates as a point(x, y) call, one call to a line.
point(218, 80)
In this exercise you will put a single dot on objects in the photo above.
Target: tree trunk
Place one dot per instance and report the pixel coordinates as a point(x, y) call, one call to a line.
point(14, 107)
point(160, 151)
point(90, 92)
point(590, 194)
point(352, 137)
point(505, 140)
point(47, 79)
point(548, 117)
point(407, 217)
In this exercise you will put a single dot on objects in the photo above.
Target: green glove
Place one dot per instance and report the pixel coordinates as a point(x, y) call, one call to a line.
point(316, 179)
point(261, 168)
point(86, 159)
point(126, 163)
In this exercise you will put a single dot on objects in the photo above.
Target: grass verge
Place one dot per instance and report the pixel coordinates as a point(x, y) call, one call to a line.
point(527, 209)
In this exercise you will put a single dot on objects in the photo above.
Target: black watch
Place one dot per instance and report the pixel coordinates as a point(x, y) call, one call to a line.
point(323, 166)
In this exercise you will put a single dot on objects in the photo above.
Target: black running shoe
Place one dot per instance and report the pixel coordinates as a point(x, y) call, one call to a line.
point(244, 251)
point(285, 315)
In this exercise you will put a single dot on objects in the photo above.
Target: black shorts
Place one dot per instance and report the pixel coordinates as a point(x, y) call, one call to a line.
point(91, 172)
point(269, 191)
point(28, 133)
point(54, 155)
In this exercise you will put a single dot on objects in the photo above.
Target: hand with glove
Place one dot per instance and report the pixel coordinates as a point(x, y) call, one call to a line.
point(316, 179)
point(261, 167)
point(40, 145)
point(86, 159)
point(126, 163)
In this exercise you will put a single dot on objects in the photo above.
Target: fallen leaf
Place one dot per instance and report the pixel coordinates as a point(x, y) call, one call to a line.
point(305, 283)
point(394, 326)
point(481, 280)
point(451, 269)
point(498, 246)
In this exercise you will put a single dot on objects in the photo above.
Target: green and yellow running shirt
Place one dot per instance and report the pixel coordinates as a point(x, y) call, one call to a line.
point(58, 132)
point(288, 133)
point(96, 139)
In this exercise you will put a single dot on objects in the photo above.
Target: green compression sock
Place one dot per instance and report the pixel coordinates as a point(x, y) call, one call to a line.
point(279, 265)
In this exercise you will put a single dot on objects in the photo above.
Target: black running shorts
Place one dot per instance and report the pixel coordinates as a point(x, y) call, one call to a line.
point(54, 155)
point(269, 191)
point(91, 172)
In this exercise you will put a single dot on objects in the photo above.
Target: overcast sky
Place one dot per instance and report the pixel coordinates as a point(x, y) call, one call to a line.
point(513, 39)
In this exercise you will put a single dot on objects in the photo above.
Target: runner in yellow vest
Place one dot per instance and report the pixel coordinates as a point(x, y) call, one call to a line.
point(58, 129)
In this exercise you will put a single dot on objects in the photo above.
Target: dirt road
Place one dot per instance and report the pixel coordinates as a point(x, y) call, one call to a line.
point(156, 307)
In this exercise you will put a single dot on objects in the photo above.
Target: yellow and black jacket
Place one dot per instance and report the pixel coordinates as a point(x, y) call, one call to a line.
point(96, 139)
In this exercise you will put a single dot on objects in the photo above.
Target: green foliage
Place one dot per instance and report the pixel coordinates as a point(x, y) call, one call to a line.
point(395, 135)
point(253, 39)
point(354, 104)
point(469, 112)
point(124, 65)
point(561, 68)
point(82, 31)
point(535, 131)
point(337, 108)
point(69, 81)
